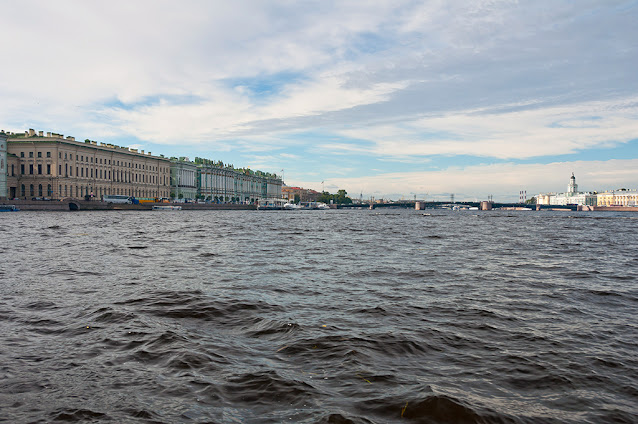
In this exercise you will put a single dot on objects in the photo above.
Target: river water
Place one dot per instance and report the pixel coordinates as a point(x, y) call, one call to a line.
point(384, 316)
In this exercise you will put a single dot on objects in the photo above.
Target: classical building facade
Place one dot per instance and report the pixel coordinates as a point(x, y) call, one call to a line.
point(223, 184)
point(620, 197)
point(3, 165)
point(571, 197)
point(183, 179)
point(55, 167)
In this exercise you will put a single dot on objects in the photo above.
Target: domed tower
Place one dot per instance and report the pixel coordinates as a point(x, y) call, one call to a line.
point(572, 188)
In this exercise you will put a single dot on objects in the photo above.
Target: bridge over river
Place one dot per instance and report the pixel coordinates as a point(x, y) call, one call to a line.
point(448, 205)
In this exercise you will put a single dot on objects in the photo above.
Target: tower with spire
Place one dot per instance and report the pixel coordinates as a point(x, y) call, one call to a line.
point(572, 188)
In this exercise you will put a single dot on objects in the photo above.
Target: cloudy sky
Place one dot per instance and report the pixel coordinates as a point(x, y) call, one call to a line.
point(384, 98)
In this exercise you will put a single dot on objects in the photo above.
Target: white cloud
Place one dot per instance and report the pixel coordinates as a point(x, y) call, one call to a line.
point(542, 131)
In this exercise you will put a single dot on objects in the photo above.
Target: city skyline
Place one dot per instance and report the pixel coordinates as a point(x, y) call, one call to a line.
point(392, 100)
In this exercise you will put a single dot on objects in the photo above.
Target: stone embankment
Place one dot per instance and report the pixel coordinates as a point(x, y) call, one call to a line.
point(83, 205)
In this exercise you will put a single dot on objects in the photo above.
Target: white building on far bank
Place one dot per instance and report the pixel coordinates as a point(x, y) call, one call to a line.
point(571, 197)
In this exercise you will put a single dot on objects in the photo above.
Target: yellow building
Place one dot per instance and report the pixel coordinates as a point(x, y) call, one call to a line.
point(55, 167)
point(620, 197)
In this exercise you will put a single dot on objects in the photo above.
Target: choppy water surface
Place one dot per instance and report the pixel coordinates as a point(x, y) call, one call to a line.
point(385, 316)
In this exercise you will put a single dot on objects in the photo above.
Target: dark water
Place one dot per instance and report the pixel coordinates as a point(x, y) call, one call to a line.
point(319, 317)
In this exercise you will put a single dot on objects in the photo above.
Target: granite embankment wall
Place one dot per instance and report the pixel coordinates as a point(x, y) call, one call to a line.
point(615, 208)
point(83, 205)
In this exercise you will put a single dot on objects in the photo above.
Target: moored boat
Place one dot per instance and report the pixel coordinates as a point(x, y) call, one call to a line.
point(9, 208)
point(167, 208)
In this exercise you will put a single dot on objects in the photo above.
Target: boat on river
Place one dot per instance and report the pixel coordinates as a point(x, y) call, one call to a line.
point(9, 208)
point(291, 206)
point(314, 206)
point(167, 208)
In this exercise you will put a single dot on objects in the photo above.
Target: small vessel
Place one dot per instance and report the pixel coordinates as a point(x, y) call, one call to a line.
point(314, 206)
point(167, 208)
point(291, 206)
point(9, 208)
point(270, 204)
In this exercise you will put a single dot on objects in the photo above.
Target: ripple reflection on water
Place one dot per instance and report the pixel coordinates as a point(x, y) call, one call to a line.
point(326, 317)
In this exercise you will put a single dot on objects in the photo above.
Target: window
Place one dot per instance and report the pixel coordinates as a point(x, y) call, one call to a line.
point(81, 158)
point(82, 172)
point(23, 191)
point(77, 172)
point(65, 156)
point(48, 168)
point(91, 159)
point(60, 155)
point(39, 190)
point(21, 154)
point(22, 169)
point(31, 169)
point(12, 171)
point(71, 156)
point(48, 154)
point(39, 154)
point(40, 169)
point(30, 154)
point(31, 190)
point(91, 172)
point(49, 190)
point(71, 171)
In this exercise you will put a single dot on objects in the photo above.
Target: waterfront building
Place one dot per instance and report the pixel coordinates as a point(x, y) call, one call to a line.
point(56, 167)
point(183, 179)
point(571, 197)
point(220, 183)
point(3, 165)
point(299, 193)
point(621, 197)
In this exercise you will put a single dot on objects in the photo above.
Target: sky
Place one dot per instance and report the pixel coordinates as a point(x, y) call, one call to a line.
point(385, 99)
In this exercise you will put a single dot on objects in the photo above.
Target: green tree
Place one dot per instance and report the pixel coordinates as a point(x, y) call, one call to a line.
point(340, 198)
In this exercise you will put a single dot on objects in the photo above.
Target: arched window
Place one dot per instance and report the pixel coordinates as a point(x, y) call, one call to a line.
point(49, 191)
point(23, 191)
point(39, 190)
point(31, 190)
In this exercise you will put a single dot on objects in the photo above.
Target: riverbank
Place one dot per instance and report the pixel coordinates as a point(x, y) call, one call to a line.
point(93, 205)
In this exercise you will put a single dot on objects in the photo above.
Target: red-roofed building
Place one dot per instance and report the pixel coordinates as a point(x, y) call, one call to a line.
point(304, 194)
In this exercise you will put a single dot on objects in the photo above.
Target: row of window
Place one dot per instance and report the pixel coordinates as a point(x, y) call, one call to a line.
point(81, 191)
point(81, 158)
point(118, 176)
